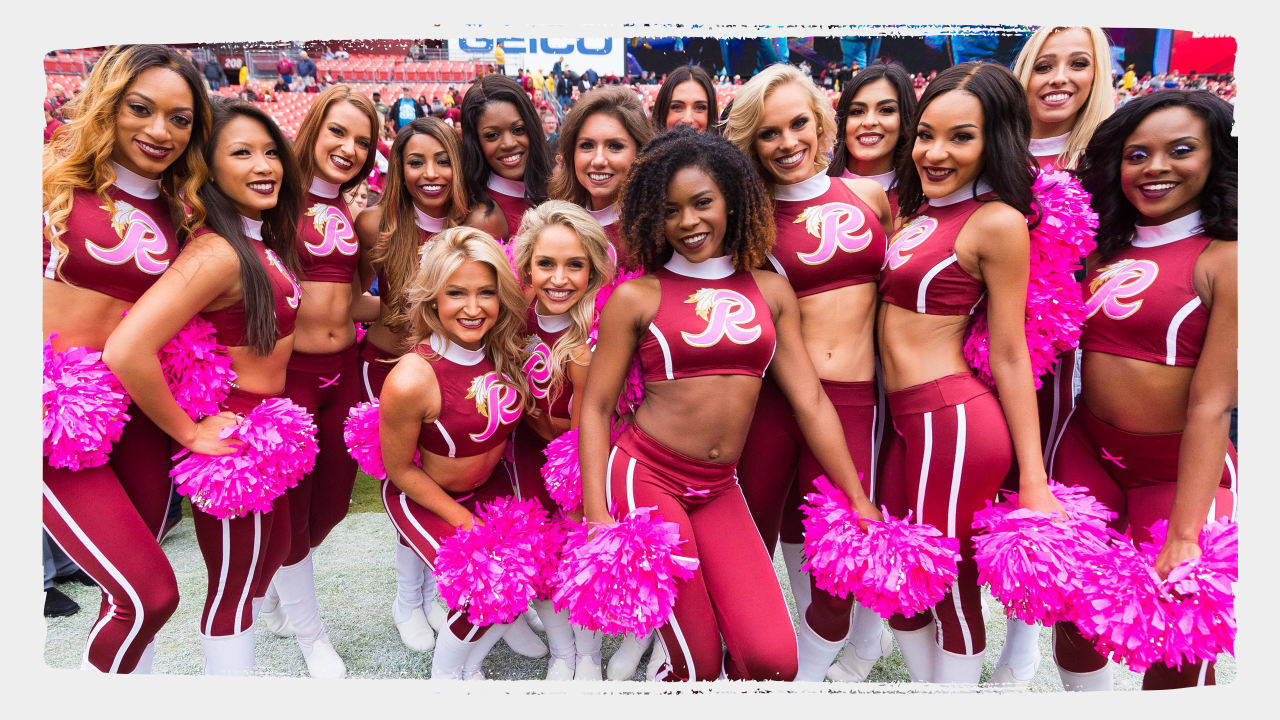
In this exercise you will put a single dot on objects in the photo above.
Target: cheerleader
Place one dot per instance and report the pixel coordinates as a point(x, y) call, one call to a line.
point(237, 272)
point(135, 144)
point(831, 242)
point(1149, 437)
point(963, 194)
point(706, 326)
point(455, 396)
point(870, 114)
point(562, 255)
point(687, 97)
point(1066, 74)
point(333, 147)
point(506, 161)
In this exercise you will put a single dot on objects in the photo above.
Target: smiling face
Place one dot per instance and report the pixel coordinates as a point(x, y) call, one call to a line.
point(689, 106)
point(787, 140)
point(343, 144)
point(428, 174)
point(560, 269)
point(872, 128)
point(503, 139)
point(1165, 163)
point(468, 304)
point(153, 122)
point(602, 155)
point(696, 215)
point(1061, 78)
point(948, 148)
point(247, 167)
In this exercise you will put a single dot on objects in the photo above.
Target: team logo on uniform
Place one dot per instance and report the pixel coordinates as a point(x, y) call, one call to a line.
point(334, 230)
point(295, 297)
point(727, 314)
point(906, 239)
point(538, 366)
point(497, 402)
point(1118, 282)
point(141, 240)
point(836, 225)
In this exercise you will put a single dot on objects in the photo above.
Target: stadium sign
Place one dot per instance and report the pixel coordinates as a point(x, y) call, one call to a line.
point(604, 55)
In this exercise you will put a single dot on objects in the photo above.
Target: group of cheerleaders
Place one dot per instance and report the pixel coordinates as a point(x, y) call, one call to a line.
point(801, 284)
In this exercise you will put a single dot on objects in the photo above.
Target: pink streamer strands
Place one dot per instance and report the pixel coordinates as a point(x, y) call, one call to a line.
point(360, 434)
point(561, 472)
point(1202, 608)
point(622, 578)
point(83, 408)
point(893, 566)
point(633, 386)
point(277, 447)
point(1055, 305)
point(197, 369)
point(361, 331)
point(1028, 558)
point(554, 535)
point(492, 570)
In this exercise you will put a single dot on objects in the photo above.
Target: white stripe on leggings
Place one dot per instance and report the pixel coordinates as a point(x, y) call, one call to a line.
point(1053, 456)
point(399, 530)
point(222, 579)
point(962, 432)
point(608, 484)
point(111, 570)
point(1231, 468)
point(368, 389)
point(631, 490)
point(253, 565)
point(1204, 672)
point(876, 428)
point(924, 466)
point(1057, 404)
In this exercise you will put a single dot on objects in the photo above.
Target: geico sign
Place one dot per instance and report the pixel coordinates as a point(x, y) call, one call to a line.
point(484, 46)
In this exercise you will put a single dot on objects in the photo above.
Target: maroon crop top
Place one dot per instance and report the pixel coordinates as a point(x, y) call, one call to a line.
point(508, 195)
point(1047, 150)
point(427, 226)
point(118, 249)
point(327, 246)
point(828, 237)
point(541, 334)
point(1142, 303)
point(608, 219)
point(711, 320)
point(228, 322)
point(476, 412)
point(886, 183)
point(921, 271)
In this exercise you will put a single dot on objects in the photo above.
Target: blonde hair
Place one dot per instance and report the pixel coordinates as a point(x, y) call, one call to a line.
point(1101, 101)
point(747, 114)
point(600, 273)
point(441, 258)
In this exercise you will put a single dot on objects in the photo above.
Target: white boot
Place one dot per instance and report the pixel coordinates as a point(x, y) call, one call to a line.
point(793, 557)
point(623, 662)
point(1100, 679)
point(560, 638)
point(271, 615)
point(415, 631)
point(815, 653)
point(917, 648)
point(867, 643)
point(145, 660)
point(520, 637)
point(297, 589)
point(949, 667)
point(436, 614)
point(450, 656)
point(228, 654)
point(1020, 656)
point(407, 612)
point(471, 670)
point(587, 643)
point(656, 658)
point(535, 621)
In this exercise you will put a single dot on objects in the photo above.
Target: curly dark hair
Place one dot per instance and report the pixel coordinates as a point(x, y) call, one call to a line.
point(749, 234)
point(1006, 130)
point(901, 82)
point(1099, 168)
point(537, 166)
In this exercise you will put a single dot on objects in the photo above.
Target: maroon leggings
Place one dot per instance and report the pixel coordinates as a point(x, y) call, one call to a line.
point(373, 368)
point(734, 593)
point(423, 530)
point(1135, 475)
point(951, 454)
point(1054, 400)
point(527, 460)
point(240, 554)
point(327, 385)
point(107, 519)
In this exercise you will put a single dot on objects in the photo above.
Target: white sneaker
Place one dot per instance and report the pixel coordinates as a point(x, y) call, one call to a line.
point(437, 616)
point(416, 632)
point(323, 661)
point(560, 669)
point(1004, 675)
point(851, 667)
point(587, 669)
point(272, 615)
point(623, 662)
point(476, 674)
point(519, 637)
point(656, 658)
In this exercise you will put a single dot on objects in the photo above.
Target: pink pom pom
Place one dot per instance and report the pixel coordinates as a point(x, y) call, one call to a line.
point(83, 408)
point(561, 473)
point(492, 570)
point(1055, 306)
point(279, 448)
point(1200, 600)
point(622, 578)
point(360, 434)
point(197, 369)
point(894, 566)
point(509, 247)
point(553, 537)
point(361, 331)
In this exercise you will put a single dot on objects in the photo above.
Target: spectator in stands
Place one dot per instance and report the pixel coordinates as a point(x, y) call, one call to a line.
point(500, 58)
point(280, 86)
point(384, 110)
point(556, 70)
point(310, 85)
point(243, 76)
point(422, 100)
point(52, 123)
point(357, 198)
point(214, 74)
point(437, 107)
point(285, 69)
point(1129, 79)
point(451, 97)
point(306, 67)
point(327, 54)
point(686, 98)
point(551, 129)
point(406, 109)
point(591, 78)
point(564, 87)
point(58, 100)
point(341, 54)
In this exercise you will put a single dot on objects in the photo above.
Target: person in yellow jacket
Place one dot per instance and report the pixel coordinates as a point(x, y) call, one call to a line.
point(500, 58)
point(1129, 78)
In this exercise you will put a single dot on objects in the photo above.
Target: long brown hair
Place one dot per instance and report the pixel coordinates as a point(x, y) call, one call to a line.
point(619, 102)
point(309, 132)
point(679, 76)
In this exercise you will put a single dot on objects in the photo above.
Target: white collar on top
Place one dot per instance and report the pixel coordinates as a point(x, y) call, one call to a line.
point(607, 216)
point(885, 179)
point(1048, 146)
point(134, 184)
point(427, 222)
point(252, 228)
point(962, 194)
point(805, 189)
point(512, 188)
point(709, 269)
point(324, 188)
point(1172, 231)
point(552, 323)
point(454, 352)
